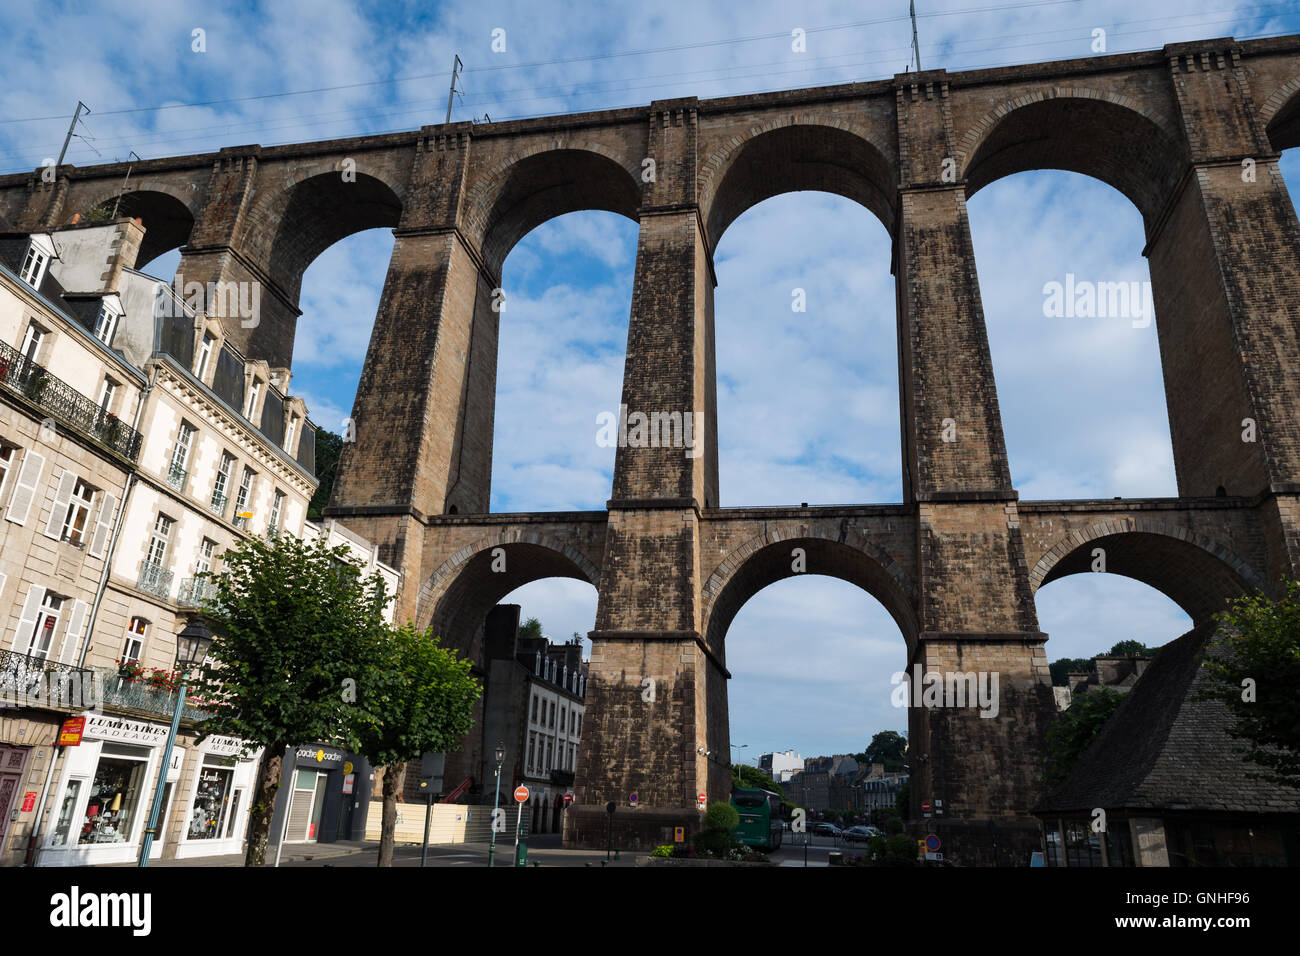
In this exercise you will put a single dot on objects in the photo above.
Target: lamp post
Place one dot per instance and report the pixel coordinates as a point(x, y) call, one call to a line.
point(500, 755)
point(192, 645)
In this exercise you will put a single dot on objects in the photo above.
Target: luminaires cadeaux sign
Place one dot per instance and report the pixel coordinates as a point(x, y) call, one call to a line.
point(104, 727)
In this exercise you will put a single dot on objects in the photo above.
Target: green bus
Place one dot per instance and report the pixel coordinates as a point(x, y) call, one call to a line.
point(760, 817)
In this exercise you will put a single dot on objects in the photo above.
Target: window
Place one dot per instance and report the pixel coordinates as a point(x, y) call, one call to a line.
point(534, 708)
point(7, 454)
point(42, 636)
point(38, 257)
point(32, 339)
point(136, 632)
point(220, 489)
point(162, 529)
point(550, 755)
point(552, 715)
point(204, 563)
point(254, 391)
point(106, 323)
point(532, 744)
point(241, 499)
point(276, 507)
point(74, 523)
point(288, 433)
point(180, 456)
point(562, 719)
point(205, 354)
point(107, 389)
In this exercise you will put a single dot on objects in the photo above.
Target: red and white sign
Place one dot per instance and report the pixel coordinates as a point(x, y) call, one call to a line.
point(71, 731)
point(29, 801)
point(349, 780)
point(568, 798)
point(704, 798)
point(521, 794)
point(925, 806)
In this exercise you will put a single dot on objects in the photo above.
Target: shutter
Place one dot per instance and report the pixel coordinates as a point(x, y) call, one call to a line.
point(31, 608)
point(29, 476)
point(104, 525)
point(76, 621)
point(59, 513)
point(3, 579)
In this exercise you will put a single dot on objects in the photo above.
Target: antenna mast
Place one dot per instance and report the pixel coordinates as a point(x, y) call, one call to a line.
point(916, 47)
point(455, 71)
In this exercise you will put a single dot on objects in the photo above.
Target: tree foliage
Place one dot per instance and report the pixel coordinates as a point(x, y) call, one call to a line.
point(415, 697)
point(531, 628)
point(1254, 669)
point(887, 747)
point(1062, 669)
point(293, 624)
point(743, 775)
point(329, 447)
point(1075, 729)
point(1130, 649)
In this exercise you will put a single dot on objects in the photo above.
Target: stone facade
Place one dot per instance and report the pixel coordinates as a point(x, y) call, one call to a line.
point(1191, 134)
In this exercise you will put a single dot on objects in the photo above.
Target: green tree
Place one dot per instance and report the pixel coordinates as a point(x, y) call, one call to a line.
point(328, 448)
point(531, 628)
point(719, 820)
point(293, 625)
point(415, 697)
point(1254, 669)
point(1130, 649)
point(887, 747)
point(1075, 729)
point(743, 775)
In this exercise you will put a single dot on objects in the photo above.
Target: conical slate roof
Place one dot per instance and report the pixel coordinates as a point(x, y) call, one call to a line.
point(1164, 750)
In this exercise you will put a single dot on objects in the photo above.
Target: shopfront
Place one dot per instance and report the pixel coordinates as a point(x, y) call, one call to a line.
point(219, 796)
point(320, 790)
point(105, 792)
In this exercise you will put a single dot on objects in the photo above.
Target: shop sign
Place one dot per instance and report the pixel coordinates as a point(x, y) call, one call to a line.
point(71, 731)
point(104, 727)
point(348, 780)
point(224, 746)
point(319, 755)
point(29, 801)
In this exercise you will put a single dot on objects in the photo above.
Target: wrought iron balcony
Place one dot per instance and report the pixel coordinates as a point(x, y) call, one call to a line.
point(27, 681)
point(140, 697)
point(176, 476)
point(196, 592)
point(155, 579)
point(65, 404)
point(218, 503)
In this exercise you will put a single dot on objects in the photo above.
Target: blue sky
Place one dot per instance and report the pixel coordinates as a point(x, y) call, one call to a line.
point(1082, 400)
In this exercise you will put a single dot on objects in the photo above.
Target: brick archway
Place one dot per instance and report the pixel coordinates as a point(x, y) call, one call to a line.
point(1195, 572)
point(167, 214)
point(1280, 115)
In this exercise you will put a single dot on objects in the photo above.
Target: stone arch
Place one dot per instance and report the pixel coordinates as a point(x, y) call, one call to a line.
point(1280, 115)
point(287, 230)
point(798, 152)
point(457, 597)
point(1109, 136)
point(766, 559)
point(166, 213)
point(1192, 570)
point(541, 182)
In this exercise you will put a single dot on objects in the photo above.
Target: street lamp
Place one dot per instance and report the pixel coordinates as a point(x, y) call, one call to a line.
point(500, 755)
point(192, 645)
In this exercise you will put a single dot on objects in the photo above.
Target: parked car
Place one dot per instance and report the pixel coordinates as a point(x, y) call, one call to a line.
point(860, 834)
point(827, 829)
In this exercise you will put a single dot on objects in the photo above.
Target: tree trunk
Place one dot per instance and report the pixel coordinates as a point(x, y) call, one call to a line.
point(394, 779)
point(259, 814)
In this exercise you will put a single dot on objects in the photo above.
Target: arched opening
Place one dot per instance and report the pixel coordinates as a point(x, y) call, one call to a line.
point(167, 224)
point(562, 338)
point(1070, 313)
point(805, 328)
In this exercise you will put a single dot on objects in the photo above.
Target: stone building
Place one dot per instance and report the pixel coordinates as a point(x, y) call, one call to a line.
point(534, 701)
point(137, 444)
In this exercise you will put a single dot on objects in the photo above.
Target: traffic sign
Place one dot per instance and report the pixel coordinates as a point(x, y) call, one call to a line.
point(932, 843)
point(679, 834)
point(521, 794)
point(925, 806)
point(568, 798)
point(704, 798)
point(631, 798)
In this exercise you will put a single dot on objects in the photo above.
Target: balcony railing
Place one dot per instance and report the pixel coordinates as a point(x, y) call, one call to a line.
point(155, 579)
point(27, 681)
point(65, 404)
point(142, 697)
point(196, 592)
point(176, 476)
point(218, 503)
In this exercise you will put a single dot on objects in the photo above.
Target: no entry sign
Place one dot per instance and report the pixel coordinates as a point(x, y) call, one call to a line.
point(521, 794)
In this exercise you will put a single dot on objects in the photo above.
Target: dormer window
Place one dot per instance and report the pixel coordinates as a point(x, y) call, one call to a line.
point(39, 254)
point(106, 321)
point(205, 357)
point(254, 393)
point(288, 433)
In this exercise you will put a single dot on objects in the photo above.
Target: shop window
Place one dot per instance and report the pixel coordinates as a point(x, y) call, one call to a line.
point(212, 798)
point(115, 795)
point(63, 827)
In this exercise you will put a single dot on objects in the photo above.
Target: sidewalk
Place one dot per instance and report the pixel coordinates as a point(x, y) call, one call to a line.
point(293, 853)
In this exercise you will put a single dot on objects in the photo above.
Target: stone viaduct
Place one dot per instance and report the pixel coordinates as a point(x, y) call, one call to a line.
point(1191, 134)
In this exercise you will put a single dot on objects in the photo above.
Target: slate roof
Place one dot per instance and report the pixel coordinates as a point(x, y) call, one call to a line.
point(1163, 750)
